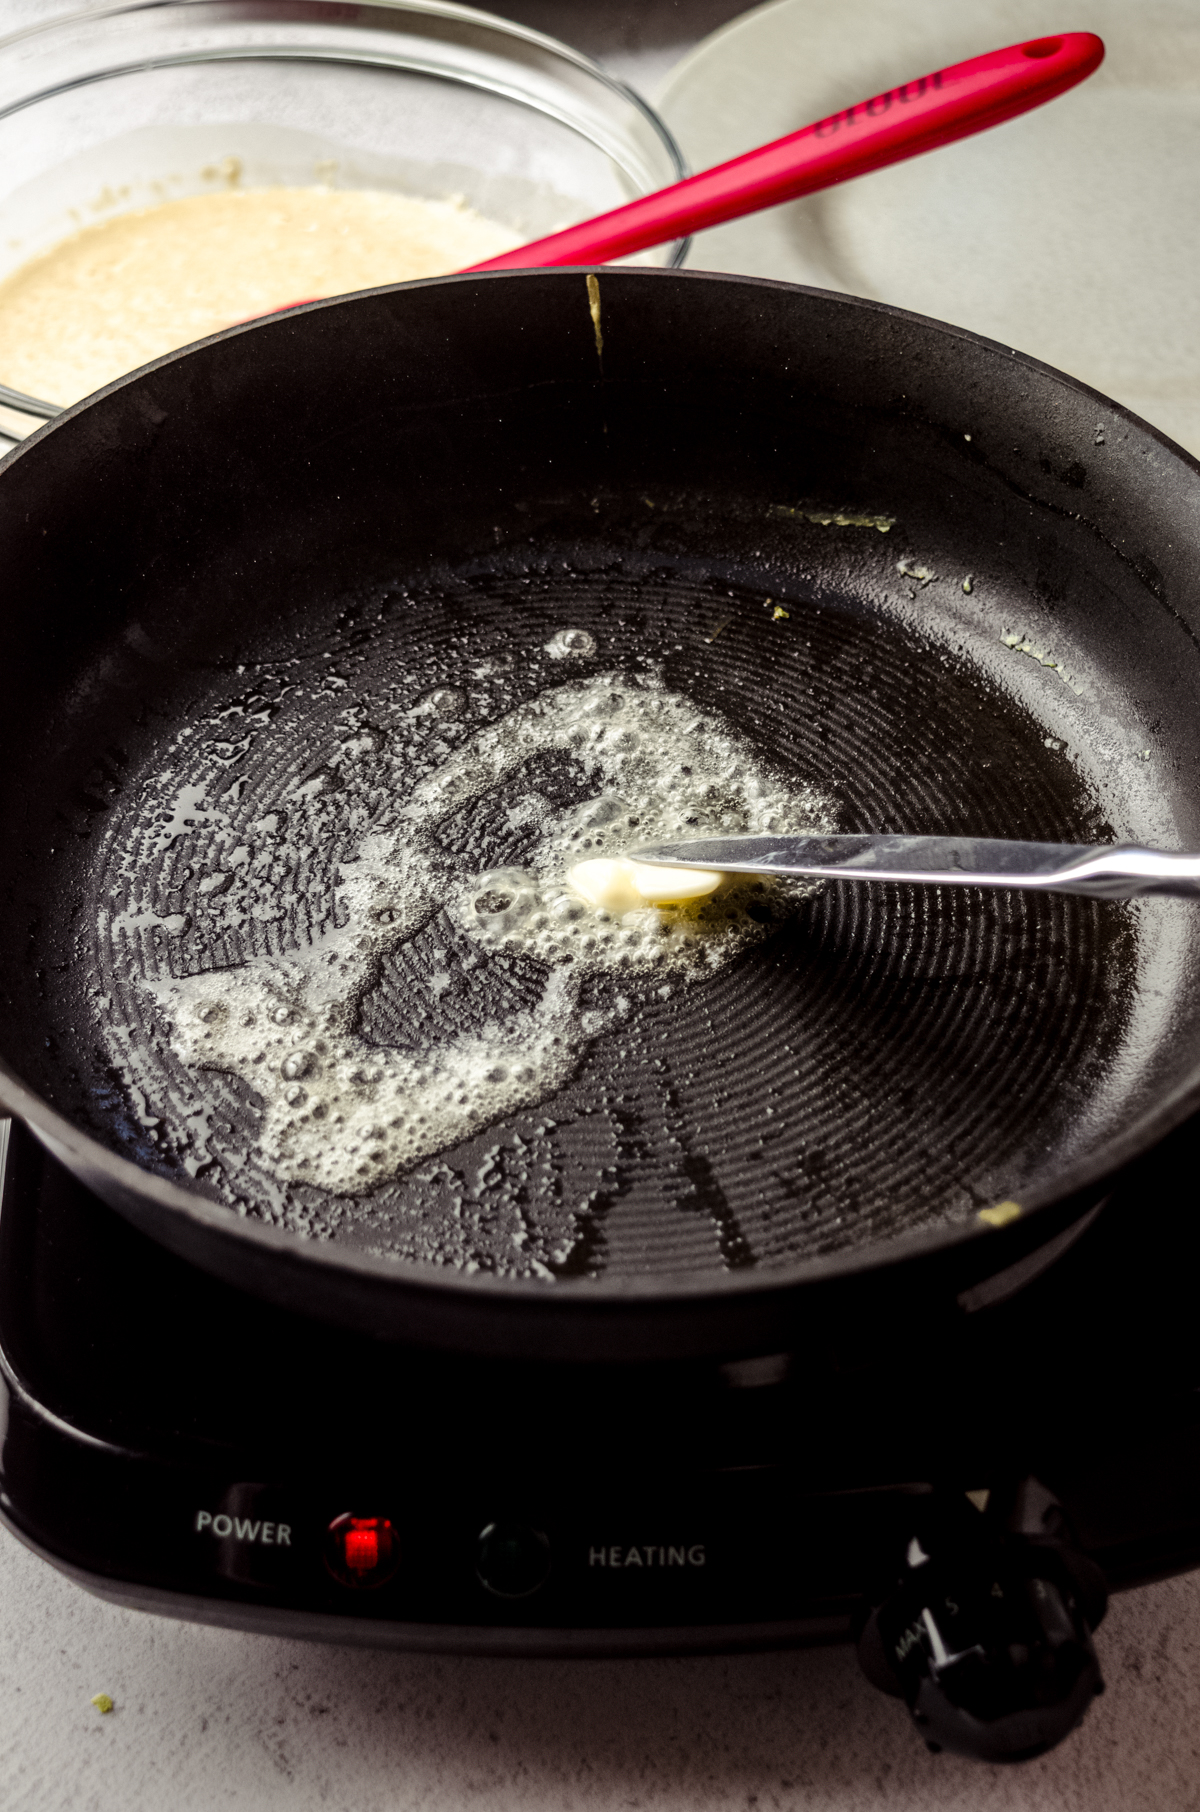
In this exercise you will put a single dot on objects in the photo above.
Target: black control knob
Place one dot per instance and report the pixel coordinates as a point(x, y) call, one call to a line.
point(987, 1628)
point(513, 1560)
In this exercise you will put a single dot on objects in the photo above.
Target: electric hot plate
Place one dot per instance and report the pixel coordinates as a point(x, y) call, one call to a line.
point(179, 1447)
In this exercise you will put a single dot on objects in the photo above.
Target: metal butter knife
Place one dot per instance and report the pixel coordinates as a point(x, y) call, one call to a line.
point(1116, 872)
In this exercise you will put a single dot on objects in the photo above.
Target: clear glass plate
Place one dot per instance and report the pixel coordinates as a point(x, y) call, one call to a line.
point(1072, 233)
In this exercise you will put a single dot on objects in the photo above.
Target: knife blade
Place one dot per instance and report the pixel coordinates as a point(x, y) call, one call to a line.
point(1116, 872)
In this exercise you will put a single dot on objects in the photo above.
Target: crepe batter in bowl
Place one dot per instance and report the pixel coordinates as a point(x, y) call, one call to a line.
point(127, 290)
point(168, 171)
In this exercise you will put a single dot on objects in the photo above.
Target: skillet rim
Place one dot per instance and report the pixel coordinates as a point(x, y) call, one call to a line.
point(599, 1305)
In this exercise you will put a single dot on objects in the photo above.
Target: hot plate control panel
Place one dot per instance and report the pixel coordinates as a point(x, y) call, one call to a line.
point(506, 1507)
point(434, 1557)
point(743, 1548)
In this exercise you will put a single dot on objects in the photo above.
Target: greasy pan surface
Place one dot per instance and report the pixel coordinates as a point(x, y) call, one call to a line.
point(234, 585)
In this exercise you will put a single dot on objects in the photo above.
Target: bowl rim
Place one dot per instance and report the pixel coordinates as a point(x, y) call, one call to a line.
point(93, 20)
point(87, 17)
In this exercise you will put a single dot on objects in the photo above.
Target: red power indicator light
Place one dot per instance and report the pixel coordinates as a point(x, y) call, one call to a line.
point(362, 1550)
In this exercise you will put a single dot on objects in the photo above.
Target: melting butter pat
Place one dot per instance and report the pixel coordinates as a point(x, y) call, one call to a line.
point(617, 885)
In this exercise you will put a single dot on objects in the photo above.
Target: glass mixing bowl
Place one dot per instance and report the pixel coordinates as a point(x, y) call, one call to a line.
point(110, 110)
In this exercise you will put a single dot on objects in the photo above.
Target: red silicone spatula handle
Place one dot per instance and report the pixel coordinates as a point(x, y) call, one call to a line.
point(934, 110)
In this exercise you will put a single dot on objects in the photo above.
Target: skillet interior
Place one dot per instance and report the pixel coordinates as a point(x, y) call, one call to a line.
point(252, 562)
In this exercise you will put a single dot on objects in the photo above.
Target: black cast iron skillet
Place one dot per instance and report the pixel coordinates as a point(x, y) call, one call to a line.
point(229, 582)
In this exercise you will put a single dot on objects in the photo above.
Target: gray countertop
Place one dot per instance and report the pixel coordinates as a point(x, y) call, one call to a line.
point(206, 1718)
